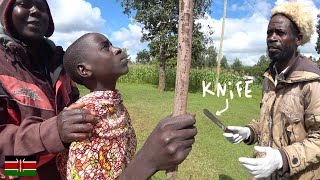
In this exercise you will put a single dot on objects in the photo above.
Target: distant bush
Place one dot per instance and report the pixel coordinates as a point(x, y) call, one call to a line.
point(150, 74)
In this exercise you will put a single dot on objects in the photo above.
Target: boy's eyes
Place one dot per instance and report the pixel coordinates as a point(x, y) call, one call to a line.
point(105, 45)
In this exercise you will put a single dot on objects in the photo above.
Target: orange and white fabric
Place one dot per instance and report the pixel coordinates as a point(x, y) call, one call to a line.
point(111, 146)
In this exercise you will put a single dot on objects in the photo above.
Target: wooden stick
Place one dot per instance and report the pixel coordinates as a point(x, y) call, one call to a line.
point(183, 64)
point(221, 44)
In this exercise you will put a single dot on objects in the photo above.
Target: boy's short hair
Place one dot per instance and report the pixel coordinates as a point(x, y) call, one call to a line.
point(74, 55)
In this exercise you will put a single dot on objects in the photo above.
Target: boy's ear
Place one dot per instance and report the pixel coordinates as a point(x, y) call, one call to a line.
point(84, 70)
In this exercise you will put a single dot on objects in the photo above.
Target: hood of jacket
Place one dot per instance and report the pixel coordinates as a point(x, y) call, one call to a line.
point(6, 7)
point(303, 69)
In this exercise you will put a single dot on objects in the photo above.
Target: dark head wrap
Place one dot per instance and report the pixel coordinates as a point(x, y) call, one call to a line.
point(6, 8)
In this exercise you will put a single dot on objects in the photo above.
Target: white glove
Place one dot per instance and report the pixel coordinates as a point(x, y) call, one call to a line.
point(238, 134)
point(263, 167)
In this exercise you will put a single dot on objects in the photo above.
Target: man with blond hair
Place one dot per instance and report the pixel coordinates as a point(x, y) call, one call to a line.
point(288, 131)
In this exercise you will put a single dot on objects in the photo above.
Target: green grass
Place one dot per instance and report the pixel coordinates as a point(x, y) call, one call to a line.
point(212, 156)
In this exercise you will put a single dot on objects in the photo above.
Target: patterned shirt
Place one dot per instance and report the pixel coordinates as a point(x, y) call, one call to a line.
point(112, 145)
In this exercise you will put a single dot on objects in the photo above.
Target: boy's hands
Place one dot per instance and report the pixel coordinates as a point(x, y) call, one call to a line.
point(167, 146)
point(75, 123)
point(170, 142)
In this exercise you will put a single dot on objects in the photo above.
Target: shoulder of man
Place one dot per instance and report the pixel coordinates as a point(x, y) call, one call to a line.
point(305, 64)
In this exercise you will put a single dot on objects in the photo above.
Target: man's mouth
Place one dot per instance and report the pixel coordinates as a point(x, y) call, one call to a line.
point(273, 48)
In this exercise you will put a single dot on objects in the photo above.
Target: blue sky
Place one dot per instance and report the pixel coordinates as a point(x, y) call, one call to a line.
point(111, 11)
point(246, 25)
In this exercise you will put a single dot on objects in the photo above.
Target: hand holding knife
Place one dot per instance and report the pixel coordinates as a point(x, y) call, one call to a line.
point(234, 134)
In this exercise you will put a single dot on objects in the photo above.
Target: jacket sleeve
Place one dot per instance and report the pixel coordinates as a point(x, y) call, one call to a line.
point(34, 136)
point(307, 152)
point(254, 129)
point(253, 138)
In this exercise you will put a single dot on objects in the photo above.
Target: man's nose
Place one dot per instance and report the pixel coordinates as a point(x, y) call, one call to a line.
point(272, 37)
point(116, 50)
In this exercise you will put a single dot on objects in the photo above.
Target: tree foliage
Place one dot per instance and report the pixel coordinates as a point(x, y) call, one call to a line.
point(210, 57)
point(259, 68)
point(143, 57)
point(224, 63)
point(160, 18)
point(237, 65)
point(318, 40)
point(160, 27)
point(160, 24)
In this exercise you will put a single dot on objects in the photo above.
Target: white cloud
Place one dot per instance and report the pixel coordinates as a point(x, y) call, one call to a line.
point(133, 32)
point(71, 23)
point(245, 38)
point(66, 39)
point(76, 15)
point(74, 18)
point(133, 57)
point(129, 38)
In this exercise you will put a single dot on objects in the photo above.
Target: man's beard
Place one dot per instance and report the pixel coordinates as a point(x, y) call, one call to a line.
point(283, 56)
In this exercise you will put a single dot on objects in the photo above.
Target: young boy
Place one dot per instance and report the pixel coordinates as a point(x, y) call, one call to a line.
point(93, 62)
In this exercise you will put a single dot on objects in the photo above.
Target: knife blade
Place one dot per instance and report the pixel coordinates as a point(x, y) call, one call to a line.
point(215, 120)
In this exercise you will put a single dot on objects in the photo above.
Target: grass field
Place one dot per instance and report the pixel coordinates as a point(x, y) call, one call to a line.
point(212, 156)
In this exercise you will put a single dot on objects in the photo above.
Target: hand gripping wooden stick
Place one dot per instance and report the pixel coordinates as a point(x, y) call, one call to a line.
point(183, 64)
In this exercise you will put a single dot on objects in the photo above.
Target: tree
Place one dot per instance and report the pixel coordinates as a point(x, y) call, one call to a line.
point(318, 32)
point(199, 46)
point(210, 57)
point(224, 63)
point(258, 69)
point(199, 42)
point(237, 65)
point(154, 48)
point(160, 20)
point(143, 57)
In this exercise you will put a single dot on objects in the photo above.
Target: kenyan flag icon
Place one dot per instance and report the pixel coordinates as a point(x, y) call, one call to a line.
point(20, 166)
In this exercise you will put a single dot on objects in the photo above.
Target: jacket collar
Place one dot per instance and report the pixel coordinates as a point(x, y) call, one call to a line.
point(5, 39)
point(19, 51)
point(302, 69)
